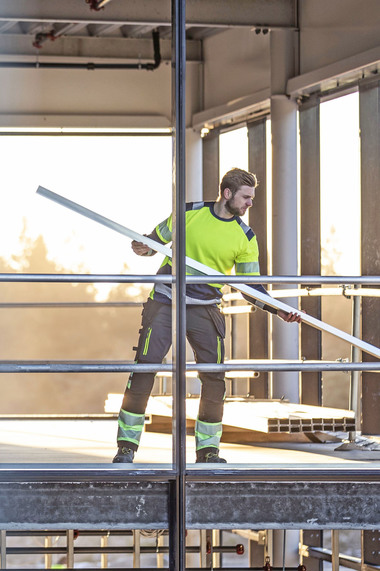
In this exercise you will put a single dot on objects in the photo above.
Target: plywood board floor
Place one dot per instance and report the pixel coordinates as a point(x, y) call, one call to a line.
point(93, 441)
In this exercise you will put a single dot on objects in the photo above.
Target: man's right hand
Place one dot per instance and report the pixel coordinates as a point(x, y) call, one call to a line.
point(140, 249)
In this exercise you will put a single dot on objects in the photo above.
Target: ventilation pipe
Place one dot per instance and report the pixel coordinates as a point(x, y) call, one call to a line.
point(150, 66)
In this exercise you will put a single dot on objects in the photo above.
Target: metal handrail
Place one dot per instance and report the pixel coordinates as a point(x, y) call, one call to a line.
point(160, 278)
point(124, 367)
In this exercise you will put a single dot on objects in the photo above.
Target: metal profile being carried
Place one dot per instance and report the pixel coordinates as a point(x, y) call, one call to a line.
point(206, 271)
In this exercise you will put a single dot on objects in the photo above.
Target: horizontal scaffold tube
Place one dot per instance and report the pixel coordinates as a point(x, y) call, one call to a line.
point(160, 278)
point(123, 367)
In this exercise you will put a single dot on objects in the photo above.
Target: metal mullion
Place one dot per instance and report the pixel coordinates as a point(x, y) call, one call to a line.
point(177, 545)
point(259, 344)
point(3, 549)
point(136, 549)
point(310, 243)
point(48, 556)
point(70, 547)
point(104, 554)
point(369, 113)
point(335, 549)
point(210, 164)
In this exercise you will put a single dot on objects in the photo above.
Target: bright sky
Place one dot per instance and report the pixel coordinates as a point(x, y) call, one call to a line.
point(340, 179)
point(340, 182)
point(129, 179)
point(233, 150)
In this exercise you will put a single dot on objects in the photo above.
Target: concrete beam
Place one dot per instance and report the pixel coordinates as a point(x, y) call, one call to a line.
point(238, 497)
point(220, 13)
point(241, 109)
point(345, 71)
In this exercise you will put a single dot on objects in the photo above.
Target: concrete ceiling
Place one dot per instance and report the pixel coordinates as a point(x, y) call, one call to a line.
point(122, 29)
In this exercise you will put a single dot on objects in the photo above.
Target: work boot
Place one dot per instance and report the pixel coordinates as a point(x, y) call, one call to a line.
point(209, 456)
point(124, 455)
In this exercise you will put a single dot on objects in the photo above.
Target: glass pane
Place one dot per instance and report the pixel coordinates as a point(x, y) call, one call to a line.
point(340, 228)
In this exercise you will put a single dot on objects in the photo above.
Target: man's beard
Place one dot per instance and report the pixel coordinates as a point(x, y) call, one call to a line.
point(233, 209)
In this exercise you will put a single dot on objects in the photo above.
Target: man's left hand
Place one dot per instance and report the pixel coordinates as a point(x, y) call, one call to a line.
point(291, 317)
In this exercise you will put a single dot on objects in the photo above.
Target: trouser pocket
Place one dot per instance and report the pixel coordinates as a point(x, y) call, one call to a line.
point(218, 320)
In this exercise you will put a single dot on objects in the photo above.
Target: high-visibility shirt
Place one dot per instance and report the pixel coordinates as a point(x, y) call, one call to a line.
point(224, 244)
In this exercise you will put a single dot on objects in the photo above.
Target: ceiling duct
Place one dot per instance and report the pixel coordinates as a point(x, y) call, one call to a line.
point(149, 66)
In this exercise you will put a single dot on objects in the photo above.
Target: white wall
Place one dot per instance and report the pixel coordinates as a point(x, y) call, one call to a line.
point(237, 61)
point(236, 64)
point(332, 30)
point(99, 92)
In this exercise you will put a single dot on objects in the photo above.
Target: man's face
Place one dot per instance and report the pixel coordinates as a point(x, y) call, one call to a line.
point(238, 204)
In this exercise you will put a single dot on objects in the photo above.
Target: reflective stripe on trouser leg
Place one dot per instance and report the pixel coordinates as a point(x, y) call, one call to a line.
point(130, 426)
point(207, 434)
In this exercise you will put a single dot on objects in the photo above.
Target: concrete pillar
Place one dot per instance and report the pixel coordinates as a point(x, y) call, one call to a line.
point(285, 343)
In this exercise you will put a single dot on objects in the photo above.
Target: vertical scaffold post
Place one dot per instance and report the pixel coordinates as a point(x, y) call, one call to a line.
point(356, 386)
point(177, 554)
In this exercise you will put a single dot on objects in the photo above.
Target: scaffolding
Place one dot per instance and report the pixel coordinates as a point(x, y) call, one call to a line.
point(257, 500)
point(237, 497)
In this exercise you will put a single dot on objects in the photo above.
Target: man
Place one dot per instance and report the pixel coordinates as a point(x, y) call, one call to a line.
point(217, 237)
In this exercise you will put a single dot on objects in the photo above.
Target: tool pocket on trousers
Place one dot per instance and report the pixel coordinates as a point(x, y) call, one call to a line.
point(150, 308)
point(218, 320)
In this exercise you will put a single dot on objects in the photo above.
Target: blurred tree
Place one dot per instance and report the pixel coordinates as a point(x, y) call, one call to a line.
point(86, 333)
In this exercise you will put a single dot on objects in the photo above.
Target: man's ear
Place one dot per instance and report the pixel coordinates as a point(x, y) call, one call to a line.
point(227, 194)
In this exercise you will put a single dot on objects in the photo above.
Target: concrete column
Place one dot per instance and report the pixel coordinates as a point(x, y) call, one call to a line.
point(285, 343)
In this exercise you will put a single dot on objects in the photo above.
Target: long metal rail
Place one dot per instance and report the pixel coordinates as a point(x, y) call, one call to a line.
point(122, 367)
point(157, 278)
point(205, 270)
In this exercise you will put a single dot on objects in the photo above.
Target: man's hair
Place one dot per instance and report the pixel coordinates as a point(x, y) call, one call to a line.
point(235, 178)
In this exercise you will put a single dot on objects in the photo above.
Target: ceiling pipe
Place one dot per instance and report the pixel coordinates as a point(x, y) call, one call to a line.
point(150, 66)
point(97, 4)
